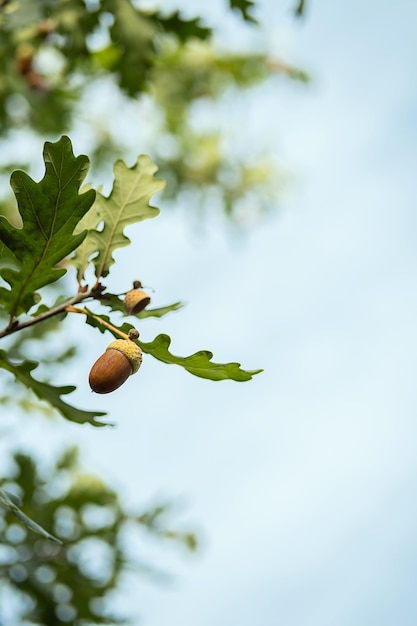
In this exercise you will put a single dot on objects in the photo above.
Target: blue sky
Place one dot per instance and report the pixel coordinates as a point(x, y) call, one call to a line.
point(302, 481)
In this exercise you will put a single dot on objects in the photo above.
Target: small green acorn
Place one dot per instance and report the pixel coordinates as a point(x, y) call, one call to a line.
point(122, 358)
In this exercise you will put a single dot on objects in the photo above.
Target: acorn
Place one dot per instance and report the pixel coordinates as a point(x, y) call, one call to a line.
point(122, 358)
point(136, 299)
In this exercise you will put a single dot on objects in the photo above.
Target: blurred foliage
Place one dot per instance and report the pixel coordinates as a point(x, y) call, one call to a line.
point(53, 53)
point(55, 58)
point(71, 583)
point(56, 355)
point(300, 8)
point(244, 6)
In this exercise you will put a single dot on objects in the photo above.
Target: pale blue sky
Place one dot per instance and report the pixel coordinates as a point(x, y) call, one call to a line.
point(303, 480)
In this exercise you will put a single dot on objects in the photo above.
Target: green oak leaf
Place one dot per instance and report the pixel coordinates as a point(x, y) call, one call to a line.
point(160, 311)
point(10, 501)
point(128, 203)
point(50, 211)
point(49, 393)
point(199, 364)
point(116, 304)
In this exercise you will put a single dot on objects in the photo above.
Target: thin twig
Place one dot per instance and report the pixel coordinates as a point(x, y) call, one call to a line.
point(73, 309)
point(60, 308)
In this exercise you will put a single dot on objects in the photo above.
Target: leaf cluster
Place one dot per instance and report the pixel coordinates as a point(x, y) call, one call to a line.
point(67, 577)
point(52, 55)
point(64, 226)
point(68, 31)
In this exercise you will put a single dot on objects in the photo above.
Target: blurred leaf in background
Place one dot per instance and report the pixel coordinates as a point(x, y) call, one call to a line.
point(125, 80)
point(72, 582)
point(153, 70)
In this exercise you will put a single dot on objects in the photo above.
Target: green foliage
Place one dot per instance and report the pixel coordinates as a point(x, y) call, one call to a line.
point(69, 581)
point(199, 364)
point(54, 55)
point(183, 29)
point(244, 6)
point(133, 35)
point(200, 163)
point(127, 204)
point(115, 303)
point(50, 211)
point(57, 221)
point(49, 393)
point(68, 27)
point(300, 8)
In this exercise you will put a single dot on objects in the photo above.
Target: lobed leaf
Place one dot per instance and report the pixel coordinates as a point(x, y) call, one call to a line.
point(128, 203)
point(50, 211)
point(116, 304)
point(49, 393)
point(198, 364)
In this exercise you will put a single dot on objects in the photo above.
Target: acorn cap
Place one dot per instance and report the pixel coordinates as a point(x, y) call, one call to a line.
point(131, 351)
point(135, 301)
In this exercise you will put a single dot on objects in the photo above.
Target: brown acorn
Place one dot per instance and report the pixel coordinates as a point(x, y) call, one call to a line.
point(136, 299)
point(121, 359)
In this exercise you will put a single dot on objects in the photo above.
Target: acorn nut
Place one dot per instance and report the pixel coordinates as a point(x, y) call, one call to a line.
point(135, 301)
point(121, 359)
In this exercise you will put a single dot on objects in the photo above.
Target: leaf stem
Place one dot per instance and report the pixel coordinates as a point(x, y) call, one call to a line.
point(114, 329)
point(57, 310)
point(66, 307)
